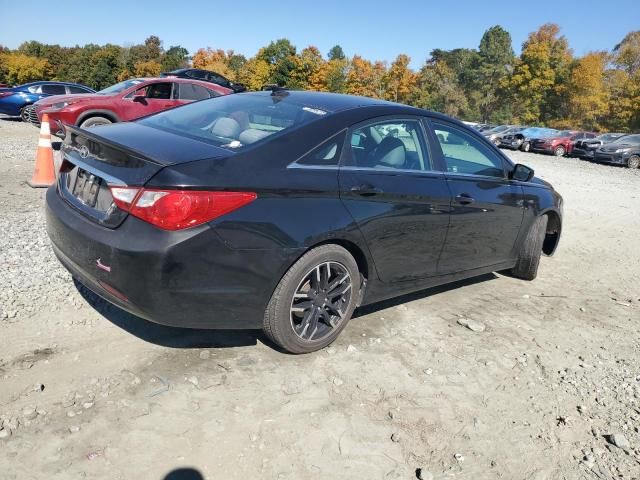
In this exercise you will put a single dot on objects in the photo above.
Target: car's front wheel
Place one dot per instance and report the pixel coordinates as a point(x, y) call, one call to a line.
point(529, 257)
point(95, 122)
point(525, 146)
point(559, 151)
point(634, 161)
point(24, 114)
point(314, 300)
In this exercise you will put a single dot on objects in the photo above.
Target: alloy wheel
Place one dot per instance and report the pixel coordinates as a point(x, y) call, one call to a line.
point(320, 301)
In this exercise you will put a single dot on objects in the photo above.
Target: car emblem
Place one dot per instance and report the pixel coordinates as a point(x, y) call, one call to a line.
point(102, 266)
point(84, 151)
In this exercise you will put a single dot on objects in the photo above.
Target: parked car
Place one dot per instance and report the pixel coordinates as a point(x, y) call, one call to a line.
point(124, 101)
point(623, 151)
point(159, 216)
point(207, 76)
point(13, 101)
point(495, 134)
point(586, 148)
point(559, 143)
point(522, 139)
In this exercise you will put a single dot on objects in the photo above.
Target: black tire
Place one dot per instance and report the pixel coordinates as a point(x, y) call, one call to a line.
point(95, 122)
point(527, 266)
point(496, 142)
point(24, 114)
point(525, 147)
point(278, 323)
point(634, 161)
point(559, 151)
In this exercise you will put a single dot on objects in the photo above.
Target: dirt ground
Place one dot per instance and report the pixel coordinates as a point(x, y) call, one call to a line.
point(549, 390)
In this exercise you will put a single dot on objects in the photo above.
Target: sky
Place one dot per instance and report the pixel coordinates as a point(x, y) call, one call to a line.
point(374, 29)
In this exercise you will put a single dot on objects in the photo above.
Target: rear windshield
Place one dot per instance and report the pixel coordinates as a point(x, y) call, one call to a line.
point(234, 121)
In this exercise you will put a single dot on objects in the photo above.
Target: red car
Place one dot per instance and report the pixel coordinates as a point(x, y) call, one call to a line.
point(560, 143)
point(124, 101)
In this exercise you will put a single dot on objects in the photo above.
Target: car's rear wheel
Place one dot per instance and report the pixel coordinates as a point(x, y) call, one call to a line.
point(95, 122)
point(529, 258)
point(559, 151)
point(634, 161)
point(314, 300)
point(525, 147)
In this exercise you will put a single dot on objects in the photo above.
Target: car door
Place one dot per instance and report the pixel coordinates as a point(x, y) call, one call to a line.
point(396, 197)
point(149, 99)
point(486, 207)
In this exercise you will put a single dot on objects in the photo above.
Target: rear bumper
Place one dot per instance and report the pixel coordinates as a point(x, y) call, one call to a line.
point(188, 279)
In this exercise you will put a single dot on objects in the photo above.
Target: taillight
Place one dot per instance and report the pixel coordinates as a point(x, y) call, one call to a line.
point(178, 209)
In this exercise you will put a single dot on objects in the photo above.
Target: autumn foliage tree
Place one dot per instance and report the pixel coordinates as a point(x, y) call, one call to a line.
point(545, 85)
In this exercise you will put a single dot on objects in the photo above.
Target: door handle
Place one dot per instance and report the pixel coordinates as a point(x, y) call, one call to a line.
point(465, 199)
point(366, 190)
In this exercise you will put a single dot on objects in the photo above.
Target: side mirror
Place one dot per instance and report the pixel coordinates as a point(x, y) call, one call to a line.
point(139, 97)
point(521, 173)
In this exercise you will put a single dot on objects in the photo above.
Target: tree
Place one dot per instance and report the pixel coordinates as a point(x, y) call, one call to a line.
point(588, 97)
point(336, 53)
point(255, 73)
point(174, 58)
point(494, 63)
point(537, 86)
point(439, 89)
point(19, 68)
point(148, 69)
point(306, 65)
point(361, 78)
point(401, 81)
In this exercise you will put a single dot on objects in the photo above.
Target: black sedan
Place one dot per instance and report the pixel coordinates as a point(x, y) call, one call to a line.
point(586, 148)
point(207, 76)
point(286, 210)
point(623, 151)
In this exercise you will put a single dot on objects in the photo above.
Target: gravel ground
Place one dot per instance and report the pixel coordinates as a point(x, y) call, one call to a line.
point(489, 378)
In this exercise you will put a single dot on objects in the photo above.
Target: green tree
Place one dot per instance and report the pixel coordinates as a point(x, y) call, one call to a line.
point(336, 53)
point(175, 57)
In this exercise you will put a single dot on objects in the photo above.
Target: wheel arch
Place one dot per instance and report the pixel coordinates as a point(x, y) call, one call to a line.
point(552, 235)
point(97, 113)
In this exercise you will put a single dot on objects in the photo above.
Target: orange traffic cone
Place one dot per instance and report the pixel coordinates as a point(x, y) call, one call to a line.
point(44, 174)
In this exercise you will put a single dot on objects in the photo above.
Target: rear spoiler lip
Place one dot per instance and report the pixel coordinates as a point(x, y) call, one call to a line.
point(111, 143)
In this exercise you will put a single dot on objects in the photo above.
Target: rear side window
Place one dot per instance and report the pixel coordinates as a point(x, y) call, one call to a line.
point(327, 154)
point(190, 91)
point(466, 154)
point(75, 90)
point(54, 89)
point(197, 74)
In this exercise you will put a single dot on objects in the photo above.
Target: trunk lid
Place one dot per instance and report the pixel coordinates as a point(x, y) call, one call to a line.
point(124, 154)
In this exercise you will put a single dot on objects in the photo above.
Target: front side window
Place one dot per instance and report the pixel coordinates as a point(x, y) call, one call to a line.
point(465, 154)
point(389, 144)
point(54, 89)
point(155, 91)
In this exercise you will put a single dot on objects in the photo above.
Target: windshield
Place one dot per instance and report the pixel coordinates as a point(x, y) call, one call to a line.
point(120, 87)
point(608, 137)
point(628, 139)
point(234, 121)
point(499, 129)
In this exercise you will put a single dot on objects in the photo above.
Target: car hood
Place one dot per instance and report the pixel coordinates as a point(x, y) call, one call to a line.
point(612, 147)
point(48, 101)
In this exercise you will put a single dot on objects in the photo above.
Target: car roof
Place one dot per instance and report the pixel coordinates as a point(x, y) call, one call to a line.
point(329, 102)
point(51, 82)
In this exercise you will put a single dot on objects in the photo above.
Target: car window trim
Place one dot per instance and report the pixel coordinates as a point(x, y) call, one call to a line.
point(295, 163)
point(413, 118)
